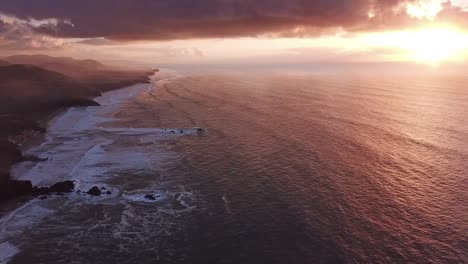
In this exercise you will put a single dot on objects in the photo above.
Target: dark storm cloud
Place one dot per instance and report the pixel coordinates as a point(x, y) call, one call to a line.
point(182, 19)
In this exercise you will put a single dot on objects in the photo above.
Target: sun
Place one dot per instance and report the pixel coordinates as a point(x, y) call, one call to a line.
point(434, 45)
point(428, 45)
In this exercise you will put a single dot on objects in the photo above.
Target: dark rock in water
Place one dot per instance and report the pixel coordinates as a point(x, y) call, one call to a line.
point(181, 131)
point(33, 158)
point(172, 132)
point(94, 191)
point(41, 190)
point(150, 197)
point(58, 188)
point(103, 188)
point(11, 189)
point(62, 187)
point(108, 192)
point(200, 130)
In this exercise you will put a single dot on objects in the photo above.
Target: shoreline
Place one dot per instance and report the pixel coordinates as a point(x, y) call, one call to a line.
point(38, 139)
point(15, 144)
point(89, 147)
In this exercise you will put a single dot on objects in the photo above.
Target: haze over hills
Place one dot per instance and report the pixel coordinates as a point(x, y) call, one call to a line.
point(89, 72)
point(41, 79)
point(23, 85)
point(65, 65)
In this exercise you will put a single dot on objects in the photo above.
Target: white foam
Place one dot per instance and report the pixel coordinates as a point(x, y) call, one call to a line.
point(20, 217)
point(75, 141)
point(140, 197)
point(64, 160)
point(88, 118)
point(86, 145)
point(123, 95)
point(159, 132)
point(7, 251)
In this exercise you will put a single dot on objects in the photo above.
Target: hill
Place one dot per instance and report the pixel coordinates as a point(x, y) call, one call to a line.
point(25, 87)
point(65, 65)
point(90, 73)
point(33, 87)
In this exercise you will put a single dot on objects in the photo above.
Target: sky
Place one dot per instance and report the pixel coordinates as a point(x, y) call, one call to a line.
point(149, 32)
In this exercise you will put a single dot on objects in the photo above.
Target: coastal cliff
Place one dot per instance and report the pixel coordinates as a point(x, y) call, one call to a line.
point(34, 88)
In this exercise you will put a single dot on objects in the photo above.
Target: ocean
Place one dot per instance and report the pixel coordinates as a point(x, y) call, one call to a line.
point(291, 167)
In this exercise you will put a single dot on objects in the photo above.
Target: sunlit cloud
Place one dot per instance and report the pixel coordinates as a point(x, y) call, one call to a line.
point(426, 9)
point(430, 31)
point(21, 34)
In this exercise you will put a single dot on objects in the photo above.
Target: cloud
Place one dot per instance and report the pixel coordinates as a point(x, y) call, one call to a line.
point(97, 42)
point(129, 20)
point(183, 19)
point(20, 34)
point(455, 15)
point(166, 52)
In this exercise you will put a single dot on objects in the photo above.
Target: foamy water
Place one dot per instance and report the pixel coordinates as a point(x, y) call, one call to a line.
point(97, 146)
point(293, 167)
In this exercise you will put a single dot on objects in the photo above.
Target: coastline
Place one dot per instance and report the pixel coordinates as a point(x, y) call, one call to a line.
point(89, 146)
point(32, 133)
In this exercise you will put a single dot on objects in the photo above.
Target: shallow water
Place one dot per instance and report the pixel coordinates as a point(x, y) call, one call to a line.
point(293, 167)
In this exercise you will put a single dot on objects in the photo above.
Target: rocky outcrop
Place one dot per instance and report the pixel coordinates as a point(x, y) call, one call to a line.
point(95, 191)
point(150, 197)
point(11, 188)
point(33, 158)
point(63, 187)
point(60, 187)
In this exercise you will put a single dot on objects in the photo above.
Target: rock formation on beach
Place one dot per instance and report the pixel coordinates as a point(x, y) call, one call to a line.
point(14, 188)
point(95, 191)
